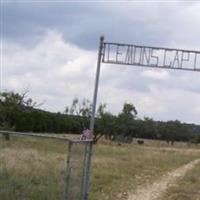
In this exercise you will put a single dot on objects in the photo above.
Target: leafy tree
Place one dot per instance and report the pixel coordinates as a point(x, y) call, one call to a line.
point(124, 123)
point(14, 108)
point(81, 109)
point(20, 113)
point(105, 124)
point(149, 128)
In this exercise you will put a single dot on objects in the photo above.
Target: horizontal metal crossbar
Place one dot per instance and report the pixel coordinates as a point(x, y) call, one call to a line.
point(150, 66)
point(148, 56)
point(42, 135)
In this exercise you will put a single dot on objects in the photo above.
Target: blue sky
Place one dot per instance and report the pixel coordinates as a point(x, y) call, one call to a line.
point(50, 48)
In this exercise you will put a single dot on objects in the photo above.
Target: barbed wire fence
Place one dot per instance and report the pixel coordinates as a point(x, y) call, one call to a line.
point(43, 166)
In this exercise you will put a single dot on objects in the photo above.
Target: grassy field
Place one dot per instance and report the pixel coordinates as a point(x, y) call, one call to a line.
point(32, 168)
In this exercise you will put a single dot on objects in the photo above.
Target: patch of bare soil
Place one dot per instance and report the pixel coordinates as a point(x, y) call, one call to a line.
point(155, 190)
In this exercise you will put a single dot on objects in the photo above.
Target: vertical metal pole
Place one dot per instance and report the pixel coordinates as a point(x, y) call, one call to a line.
point(92, 119)
point(67, 173)
point(86, 171)
point(96, 84)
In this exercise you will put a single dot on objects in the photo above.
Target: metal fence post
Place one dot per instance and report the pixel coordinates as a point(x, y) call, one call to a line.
point(86, 171)
point(89, 156)
point(67, 173)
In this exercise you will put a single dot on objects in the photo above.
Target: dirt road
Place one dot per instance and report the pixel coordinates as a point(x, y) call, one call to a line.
point(155, 190)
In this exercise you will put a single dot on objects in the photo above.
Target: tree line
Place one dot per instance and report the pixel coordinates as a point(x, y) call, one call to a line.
point(18, 112)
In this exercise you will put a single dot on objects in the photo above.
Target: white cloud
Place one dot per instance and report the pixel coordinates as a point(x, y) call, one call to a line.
point(155, 74)
point(56, 70)
point(53, 69)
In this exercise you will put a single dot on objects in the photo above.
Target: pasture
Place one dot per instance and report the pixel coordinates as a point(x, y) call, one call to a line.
point(33, 168)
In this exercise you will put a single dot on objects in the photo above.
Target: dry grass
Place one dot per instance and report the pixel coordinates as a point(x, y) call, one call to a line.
point(120, 169)
point(33, 168)
point(30, 161)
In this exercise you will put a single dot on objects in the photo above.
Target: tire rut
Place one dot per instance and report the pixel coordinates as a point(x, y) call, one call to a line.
point(156, 189)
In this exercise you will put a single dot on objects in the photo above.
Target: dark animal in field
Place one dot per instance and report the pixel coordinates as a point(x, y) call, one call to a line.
point(140, 141)
point(194, 141)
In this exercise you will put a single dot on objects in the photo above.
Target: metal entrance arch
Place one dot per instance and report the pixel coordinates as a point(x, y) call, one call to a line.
point(142, 56)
